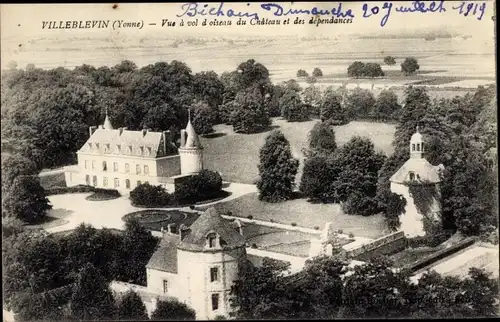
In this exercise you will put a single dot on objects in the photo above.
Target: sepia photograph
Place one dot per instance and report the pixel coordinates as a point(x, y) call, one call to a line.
point(249, 161)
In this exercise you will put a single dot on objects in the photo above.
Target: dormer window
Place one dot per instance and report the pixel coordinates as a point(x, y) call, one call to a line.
point(97, 146)
point(411, 176)
point(141, 150)
point(90, 145)
point(212, 240)
point(129, 149)
point(118, 148)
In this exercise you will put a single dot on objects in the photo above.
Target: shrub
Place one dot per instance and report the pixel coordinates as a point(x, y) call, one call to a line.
point(351, 235)
point(250, 217)
point(316, 227)
point(340, 231)
point(148, 195)
point(294, 224)
point(272, 220)
point(254, 245)
point(205, 185)
point(73, 189)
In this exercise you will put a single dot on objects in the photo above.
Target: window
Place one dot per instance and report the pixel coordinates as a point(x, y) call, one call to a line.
point(165, 286)
point(412, 176)
point(138, 169)
point(117, 182)
point(127, 167)
point(127, 183)
point(413, 147)
point(214, 274)
point(105, 181)
point(422, 146)
point(104, 166)
point(215, 302)
point(86, 164)
point(87, 180)
point(94, 181)
point(211, 240)
point(146, 169)
point(115, 166)
point(418, 146)
point(93, 164)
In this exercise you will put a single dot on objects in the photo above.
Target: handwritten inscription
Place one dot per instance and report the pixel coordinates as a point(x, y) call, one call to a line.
point(339, 13)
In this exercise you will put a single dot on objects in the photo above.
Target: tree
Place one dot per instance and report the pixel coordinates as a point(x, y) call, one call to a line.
point(389, 60)
point(373, 70)
point(386, 106)
point(357, 181)
point(375, 290)
point(317, 72)
point(131, 307)
point(161, 118)
point(26, 200)
point(135, 251)
point(356, 69)
point(359, 103)
point(302, 73)
point(292, 108)
point(203, 118)
point(249, 114)
point(208, 87)
point(410, 66)
point(312, 96)
point(13, 166)
point(331, 110)
point(173, 310)
point(259, 292)
point(203, 186)
point(277, 169)
point(91, 298)
point(149, 195)
point(322, 139)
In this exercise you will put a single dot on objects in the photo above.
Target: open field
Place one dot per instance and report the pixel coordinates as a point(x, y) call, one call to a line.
point(304, 214)
point(236, 156)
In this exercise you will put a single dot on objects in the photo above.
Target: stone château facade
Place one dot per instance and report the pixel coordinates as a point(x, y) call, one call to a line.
point(121, 159)
point(198, 265)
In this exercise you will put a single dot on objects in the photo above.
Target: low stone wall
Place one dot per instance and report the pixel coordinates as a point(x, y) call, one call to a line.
point(386, 245)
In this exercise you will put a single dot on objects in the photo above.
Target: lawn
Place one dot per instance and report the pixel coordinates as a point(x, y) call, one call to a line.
point(52, 180)
point(236, 156)
point(304, 214)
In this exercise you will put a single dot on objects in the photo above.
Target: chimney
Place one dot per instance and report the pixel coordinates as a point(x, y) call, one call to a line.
point(183, 138)
point(101, 127)
point(144, 131)
point(169, 228)
point(182, 231)
point(92, 130)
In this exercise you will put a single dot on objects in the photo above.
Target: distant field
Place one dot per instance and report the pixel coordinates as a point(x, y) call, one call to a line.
point(236, 156)
point(304, 214)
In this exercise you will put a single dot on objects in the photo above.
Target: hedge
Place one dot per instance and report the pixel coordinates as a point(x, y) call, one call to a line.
point(79, 189)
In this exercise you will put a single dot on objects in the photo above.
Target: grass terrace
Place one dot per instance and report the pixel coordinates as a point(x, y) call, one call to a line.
point(304, 214)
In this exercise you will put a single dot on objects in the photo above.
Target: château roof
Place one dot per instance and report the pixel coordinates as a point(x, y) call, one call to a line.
point(423, 170)
point(165, 257)
point(107, 123)
point(192, 140)
point(210, 221)
point(124, 142)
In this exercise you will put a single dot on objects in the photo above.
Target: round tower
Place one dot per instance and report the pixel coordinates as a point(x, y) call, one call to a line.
point(190, 151)
point(418, 182)
point(210, 255)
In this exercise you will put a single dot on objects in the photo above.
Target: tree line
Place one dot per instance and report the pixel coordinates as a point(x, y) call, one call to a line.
point(328, 289)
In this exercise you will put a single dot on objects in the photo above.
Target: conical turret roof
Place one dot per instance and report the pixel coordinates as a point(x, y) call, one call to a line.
point(192, 140)
point(107, 123)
